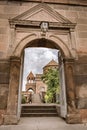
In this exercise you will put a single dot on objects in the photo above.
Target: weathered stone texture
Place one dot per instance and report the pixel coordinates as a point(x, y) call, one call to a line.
point(10, 119)
point(83, 91)
point(75, 2)
point(3, 96)
point(82, 103)
point(4, 23)
point(75, 74)
point(69, 67)
point(82, 21)
point(13, 86)
point(74, 118)
point(4, 83)
point(82, 34)
point(4, 72)
point(76, 14)
point(39, 85)
point(82, 14)
point(2, 113)
point(11, 115)
point(71, 14)
point(83, 114)
point(81, 79)
point(81, 83)
point(82, 27)
point(2, 30)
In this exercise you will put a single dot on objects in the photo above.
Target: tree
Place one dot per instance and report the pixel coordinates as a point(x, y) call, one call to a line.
point(51, 78)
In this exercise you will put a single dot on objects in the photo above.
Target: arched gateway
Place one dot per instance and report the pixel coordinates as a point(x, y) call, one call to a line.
point(52, 31)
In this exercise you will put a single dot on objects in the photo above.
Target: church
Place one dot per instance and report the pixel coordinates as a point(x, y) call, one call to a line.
point(34, 84)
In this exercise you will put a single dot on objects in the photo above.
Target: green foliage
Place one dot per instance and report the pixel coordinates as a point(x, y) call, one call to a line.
point(51, 78)
point(23, 99)
point(48, 97)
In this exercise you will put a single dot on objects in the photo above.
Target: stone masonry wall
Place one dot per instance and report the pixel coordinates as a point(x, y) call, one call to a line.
point(81, 87)
point(76, 14)
point(4, 85)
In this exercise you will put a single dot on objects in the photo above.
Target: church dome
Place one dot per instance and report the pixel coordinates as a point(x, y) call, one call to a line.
point(51, 65)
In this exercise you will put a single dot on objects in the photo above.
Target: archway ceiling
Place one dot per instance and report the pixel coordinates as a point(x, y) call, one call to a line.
point(42, 43)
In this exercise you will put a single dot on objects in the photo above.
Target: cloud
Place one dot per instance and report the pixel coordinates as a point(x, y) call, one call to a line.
point(35, 59)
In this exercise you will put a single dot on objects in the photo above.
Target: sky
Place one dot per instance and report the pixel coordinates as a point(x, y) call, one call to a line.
point(35, 59)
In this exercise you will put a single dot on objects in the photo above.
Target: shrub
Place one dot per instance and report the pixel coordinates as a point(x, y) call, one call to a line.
point(23, 99)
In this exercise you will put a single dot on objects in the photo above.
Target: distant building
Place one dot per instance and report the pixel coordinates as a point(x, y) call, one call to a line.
point(51, 65)
point(35, 84)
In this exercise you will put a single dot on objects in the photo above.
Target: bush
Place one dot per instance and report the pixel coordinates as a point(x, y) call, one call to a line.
point(49, 97)
point(23, 99)
point(51, 78)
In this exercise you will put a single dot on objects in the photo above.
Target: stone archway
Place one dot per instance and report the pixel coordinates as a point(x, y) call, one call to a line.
point(23, 27)
point(58, 43)
point(28, 34)
point(68, 60)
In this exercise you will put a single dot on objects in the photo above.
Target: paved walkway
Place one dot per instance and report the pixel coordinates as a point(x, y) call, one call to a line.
point(44, 123)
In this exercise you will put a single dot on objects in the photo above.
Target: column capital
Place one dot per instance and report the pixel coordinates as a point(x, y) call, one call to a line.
point(15, 58)
point(69, 60)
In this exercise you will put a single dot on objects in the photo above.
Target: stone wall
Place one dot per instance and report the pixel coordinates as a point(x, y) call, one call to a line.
point(4, 86)
point(40, 85)
point(12, 101)
point(76, 14)
point(81, 84)
point(70, 2)
point(81, 87)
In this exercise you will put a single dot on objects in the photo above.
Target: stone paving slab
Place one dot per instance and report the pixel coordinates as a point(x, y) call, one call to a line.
point(43, 123)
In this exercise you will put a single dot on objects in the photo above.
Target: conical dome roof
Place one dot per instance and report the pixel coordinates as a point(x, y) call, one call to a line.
point(51, 63)
point(30, 76)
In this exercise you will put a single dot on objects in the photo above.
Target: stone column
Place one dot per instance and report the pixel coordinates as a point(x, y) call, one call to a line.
point(4, 86)
point(81, 86)
point(11, 116)
point(72, 113)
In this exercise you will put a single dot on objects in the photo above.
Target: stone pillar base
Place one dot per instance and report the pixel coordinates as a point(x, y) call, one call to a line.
point(10, 120)
point(1, 120)
point(73, 119)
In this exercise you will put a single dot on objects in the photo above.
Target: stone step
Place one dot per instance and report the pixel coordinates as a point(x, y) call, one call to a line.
point(38, 111)
point(39, 115)
point(38, 106)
